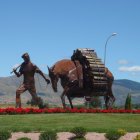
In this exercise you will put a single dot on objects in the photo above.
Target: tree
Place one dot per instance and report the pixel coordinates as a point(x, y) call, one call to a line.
point(128, 104)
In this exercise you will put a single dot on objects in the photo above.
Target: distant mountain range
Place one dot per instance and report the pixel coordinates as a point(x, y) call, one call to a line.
point(122, 87)
point(8, 86)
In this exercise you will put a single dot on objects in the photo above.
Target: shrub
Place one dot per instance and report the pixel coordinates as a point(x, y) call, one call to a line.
point(24, 138)
point(39, 102)
point(95, 102)
point(79, 132)
point(122, 132)
point(115, 135)
point(4, 135)
point(137, 137)
point(48, 135)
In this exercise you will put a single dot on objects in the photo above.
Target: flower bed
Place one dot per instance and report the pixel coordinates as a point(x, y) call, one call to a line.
point(4, 111)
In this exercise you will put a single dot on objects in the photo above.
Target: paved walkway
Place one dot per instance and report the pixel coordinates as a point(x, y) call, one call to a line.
point(67, 135)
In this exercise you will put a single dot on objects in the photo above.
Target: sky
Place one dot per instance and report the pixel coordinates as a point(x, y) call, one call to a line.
point(50, 30)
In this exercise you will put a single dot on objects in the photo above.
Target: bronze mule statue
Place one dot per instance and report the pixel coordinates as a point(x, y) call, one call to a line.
point(68, 73)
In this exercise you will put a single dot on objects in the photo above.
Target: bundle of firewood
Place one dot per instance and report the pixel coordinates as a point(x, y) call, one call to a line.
point(93, 68)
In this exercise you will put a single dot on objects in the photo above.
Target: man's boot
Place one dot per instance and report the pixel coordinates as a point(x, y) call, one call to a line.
point(18, 103)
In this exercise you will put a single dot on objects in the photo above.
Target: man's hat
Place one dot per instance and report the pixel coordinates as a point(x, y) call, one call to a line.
point(25, 55)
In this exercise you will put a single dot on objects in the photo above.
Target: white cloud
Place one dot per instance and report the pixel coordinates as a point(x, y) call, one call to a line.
point(130, 69)
point(123, 62)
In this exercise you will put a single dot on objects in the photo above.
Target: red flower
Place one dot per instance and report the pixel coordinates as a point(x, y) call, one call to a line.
point(11, 110)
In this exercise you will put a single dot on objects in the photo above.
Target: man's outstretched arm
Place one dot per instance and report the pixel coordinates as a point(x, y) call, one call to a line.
point(41, 73)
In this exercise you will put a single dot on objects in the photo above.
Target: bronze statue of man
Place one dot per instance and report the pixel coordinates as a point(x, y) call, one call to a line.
point(28, 70)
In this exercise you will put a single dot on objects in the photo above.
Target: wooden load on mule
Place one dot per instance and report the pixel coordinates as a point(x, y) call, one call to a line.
point(94, 76)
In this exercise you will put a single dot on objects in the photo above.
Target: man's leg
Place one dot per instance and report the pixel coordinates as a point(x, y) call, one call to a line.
point(32, 91)
point(20, 90)
point(37, 99)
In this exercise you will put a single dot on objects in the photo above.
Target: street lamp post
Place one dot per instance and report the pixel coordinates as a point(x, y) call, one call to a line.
point(113, 34)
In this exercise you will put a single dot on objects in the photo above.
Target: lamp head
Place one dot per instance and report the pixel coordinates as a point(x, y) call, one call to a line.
point(113, 34)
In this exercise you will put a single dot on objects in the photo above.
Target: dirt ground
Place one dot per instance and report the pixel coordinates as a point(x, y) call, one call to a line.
point(67, 135)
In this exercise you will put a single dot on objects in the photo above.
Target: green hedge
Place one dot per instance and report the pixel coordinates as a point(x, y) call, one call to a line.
point(5, 135)
point(48, 135)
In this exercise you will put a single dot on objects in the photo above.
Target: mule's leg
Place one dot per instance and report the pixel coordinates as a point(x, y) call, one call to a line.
point(63, 99)
point(63, 96)
point(109, 100)
point(71, 88)
point(112, 98)
point(65, 92)
point(70, 101)
point(106, 98)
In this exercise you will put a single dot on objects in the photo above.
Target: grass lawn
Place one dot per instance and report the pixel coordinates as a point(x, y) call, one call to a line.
point(64, 122)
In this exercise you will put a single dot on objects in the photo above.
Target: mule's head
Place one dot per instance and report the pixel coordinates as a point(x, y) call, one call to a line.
point(54, 79)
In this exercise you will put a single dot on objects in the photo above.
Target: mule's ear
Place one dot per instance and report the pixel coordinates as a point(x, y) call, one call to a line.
point(48, 69)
